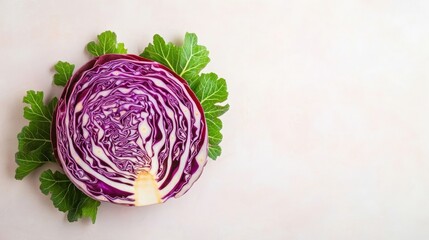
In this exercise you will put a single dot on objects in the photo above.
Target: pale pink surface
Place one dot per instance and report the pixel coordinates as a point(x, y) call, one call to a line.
point(327, 136)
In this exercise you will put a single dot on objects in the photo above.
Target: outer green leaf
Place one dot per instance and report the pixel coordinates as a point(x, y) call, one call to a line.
point(214, 151)
point(107, 43)
point(212, 90)
point(34, 143)
point(87, 207)
point(64, 73)
point(67, 197)
point(166, 54)
point(38, 111)
point(193, 57)
point(29, 161)
point(120, 48)
point(34, 147)
point(63, 192)
point(215, 110)
point(187, 60)
point(214, 125)
point(35, 135)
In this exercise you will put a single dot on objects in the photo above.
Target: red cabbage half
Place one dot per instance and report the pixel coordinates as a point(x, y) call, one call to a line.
point(128, 130)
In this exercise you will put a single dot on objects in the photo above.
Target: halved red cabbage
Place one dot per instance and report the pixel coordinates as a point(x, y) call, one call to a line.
point(129, 131)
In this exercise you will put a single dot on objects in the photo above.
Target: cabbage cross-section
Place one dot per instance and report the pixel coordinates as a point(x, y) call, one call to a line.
point(129, 131)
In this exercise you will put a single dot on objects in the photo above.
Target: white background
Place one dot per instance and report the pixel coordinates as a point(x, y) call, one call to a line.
point(327, 136)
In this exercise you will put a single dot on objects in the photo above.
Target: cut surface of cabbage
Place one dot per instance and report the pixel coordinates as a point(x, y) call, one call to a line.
point(128, 130)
